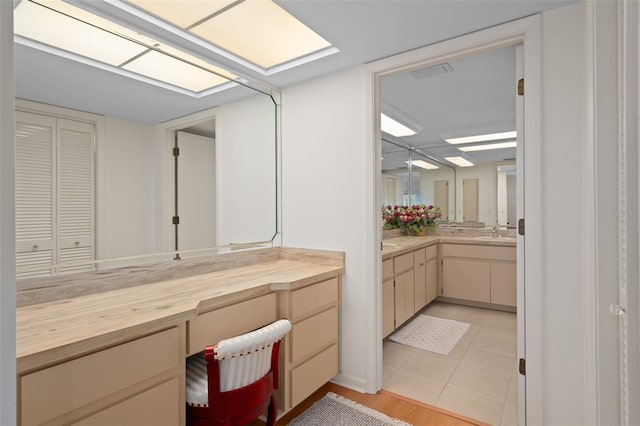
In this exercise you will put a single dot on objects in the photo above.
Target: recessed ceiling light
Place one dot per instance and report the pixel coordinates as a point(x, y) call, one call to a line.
point(423, 164)
point(459, 161)
point(395, 128)
point(483, 138)
point(488, 146)
point(183, 13)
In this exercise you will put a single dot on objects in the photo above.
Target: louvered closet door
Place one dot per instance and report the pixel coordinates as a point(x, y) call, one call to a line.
point(35, 194)
point(75, 195)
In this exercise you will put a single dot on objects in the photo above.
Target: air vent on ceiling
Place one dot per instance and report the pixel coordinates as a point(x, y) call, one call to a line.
point(432, 71)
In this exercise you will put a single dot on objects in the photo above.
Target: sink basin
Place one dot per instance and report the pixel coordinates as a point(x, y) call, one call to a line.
point(389, 246)
point(495, 238)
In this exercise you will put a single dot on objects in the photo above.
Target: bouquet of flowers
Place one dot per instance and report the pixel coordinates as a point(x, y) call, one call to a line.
point(415, 219)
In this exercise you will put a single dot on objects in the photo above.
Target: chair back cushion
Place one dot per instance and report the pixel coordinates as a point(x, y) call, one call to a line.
point(246, 358)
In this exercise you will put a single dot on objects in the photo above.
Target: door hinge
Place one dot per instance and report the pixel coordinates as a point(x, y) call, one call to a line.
point(522, 367)
point(521, 226)
point(521, 87)
point(175, 220)
point(176, 151)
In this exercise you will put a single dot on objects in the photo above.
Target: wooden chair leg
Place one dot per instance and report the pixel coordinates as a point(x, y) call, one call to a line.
point(272, 414)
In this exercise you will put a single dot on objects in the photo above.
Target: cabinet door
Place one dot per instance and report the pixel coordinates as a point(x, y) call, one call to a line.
point(466, 279)
point(404, 297)
point(388, 308)
point(432, 279)
point(503, 284)
point(419, 280)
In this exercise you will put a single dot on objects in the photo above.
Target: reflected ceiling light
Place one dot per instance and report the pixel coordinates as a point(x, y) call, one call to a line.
point(488, 146)
point(395, 128)
point(259, 31)
point(459, 161)
point(483, 138)
point(74, 33)
point(423, 164)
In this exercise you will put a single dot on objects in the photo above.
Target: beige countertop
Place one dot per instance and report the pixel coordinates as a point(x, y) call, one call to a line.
point(53, 331)
point(395, 246)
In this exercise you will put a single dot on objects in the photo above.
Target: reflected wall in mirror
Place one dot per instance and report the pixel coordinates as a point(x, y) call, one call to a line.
point(433, 186)
point(99, 144)
point(506, 194)
point(462, 109)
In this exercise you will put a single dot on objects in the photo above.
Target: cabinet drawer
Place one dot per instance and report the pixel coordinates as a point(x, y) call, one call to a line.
point(387, 269)
point(158, 406)
point(432, 252)
point(313, 333)
point(311, 375)
point(479, 252)
point(57, 390)
point(402, 263)
point(313, 297)
point(211, 327)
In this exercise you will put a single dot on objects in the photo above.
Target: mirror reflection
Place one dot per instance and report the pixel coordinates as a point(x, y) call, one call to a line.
point(461, 114)
point(96, 174)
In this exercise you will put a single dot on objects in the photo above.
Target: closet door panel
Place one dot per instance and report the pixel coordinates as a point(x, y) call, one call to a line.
point(35, 194)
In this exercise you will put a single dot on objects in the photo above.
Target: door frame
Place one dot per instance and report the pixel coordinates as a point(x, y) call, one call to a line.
point(527, 32)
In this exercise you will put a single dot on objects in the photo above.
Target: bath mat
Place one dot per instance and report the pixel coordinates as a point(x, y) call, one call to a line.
point(431, 334)
point(335, 410)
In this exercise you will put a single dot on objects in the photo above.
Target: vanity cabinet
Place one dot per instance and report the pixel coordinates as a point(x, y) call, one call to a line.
point(409, 283)
point(142, 379)
point(479, 273)
point(311, 350)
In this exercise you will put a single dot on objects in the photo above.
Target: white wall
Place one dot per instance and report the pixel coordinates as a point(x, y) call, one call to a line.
point(246, 152)
point(324, 150)
point(128, 189)
point(7, 221)
point(331, 190)
point(487, 186)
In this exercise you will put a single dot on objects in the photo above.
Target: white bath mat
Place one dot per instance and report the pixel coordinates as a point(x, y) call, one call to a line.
point(432, 334)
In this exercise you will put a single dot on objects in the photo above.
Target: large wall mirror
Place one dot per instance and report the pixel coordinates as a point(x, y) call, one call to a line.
point(100, 115)
point(460, 117)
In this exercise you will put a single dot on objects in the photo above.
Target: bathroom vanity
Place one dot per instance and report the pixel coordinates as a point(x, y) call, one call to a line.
point(472, 270)
point(118, 356)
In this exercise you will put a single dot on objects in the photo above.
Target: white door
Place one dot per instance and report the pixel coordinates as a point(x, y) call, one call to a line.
point(196, 192)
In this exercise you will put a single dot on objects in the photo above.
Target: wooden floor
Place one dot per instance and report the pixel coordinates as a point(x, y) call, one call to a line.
point(396, 406)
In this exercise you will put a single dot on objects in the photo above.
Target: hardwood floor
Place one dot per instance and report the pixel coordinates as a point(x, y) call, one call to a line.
point(393, 405)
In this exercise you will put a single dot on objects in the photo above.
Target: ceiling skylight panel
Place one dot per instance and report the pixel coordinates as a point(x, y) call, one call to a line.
point(196, 61)
point(164, 68)
point(182, 13)
point(55, 29)
point(261, 32)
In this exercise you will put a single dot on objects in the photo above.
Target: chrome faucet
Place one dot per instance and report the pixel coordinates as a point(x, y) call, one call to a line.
point(495, 233)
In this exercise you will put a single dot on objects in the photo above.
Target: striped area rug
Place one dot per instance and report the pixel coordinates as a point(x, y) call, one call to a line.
point(335, 410)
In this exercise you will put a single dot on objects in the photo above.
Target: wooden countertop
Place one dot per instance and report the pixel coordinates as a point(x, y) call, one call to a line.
point(50, 332)
point(392, 247)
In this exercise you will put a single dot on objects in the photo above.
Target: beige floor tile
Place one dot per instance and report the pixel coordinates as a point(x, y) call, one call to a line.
point(501, 319)
point(414, 386)
point(475, 357)
point(498, 345)
point(472, 332)
point(497, 331)
point(467, 314)
point(485, 381)
point(393, 356)
point(471, 404)
point(426, 364)
point(512, 394)
point(510, 415)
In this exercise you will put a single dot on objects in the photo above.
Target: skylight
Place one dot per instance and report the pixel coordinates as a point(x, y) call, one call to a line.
point(488, 146)
point(87, 37)
point(459, 161)
point(424, 164)
point(259, 31)
point(395, 128)
point(483, 138)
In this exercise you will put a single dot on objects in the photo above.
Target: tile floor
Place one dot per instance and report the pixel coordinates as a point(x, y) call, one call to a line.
point(478, 378)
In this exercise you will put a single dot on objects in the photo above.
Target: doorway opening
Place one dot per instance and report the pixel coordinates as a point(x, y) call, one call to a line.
point(481, 99)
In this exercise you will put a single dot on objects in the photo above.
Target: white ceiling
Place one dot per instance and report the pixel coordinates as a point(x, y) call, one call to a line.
point(363, 31)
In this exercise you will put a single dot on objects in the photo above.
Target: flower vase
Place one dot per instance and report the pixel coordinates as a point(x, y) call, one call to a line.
point(417, 231)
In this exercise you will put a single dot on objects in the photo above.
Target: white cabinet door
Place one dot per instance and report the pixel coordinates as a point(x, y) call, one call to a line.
point(466, 279)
